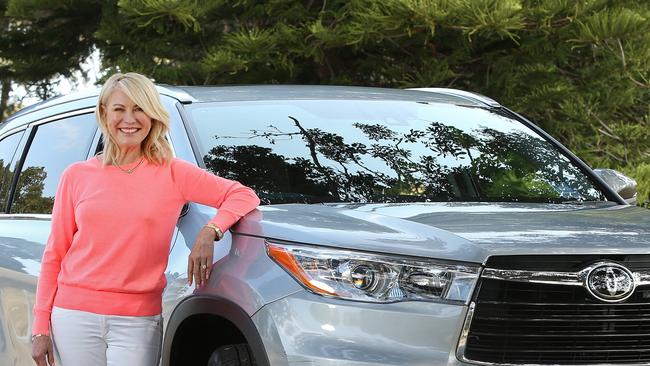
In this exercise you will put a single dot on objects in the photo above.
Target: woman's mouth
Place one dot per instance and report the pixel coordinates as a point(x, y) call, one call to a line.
point(129, 131)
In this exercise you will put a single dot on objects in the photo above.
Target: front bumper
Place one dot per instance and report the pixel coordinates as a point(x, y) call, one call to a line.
point(307, 329)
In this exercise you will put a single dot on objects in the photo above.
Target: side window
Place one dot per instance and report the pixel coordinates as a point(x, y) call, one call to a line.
point(55, 146)
point(8, 147)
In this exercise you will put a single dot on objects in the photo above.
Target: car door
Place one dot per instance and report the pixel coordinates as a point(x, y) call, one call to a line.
point(32, 163)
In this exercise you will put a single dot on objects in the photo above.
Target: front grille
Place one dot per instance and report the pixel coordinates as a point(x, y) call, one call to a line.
point(532, 323)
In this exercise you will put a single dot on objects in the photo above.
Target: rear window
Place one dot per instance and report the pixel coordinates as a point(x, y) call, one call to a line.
point(55, 146)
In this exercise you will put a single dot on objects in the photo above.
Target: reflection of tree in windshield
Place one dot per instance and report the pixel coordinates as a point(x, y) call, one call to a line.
point(437, 163)
point(274, 178)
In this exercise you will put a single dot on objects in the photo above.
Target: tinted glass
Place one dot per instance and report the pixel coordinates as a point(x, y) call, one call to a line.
point(8, 147)
point(383, 151)
point(55, 146)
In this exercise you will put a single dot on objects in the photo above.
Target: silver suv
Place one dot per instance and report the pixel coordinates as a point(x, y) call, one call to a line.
point(398, 227)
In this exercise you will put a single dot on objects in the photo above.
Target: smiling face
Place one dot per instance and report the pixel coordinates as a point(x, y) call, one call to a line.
point(127, 122)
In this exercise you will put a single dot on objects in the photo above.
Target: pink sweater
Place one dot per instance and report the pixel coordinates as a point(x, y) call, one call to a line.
point(111, 233)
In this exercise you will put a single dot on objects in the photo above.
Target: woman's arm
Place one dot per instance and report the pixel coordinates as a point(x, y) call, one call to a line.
point(232, 199)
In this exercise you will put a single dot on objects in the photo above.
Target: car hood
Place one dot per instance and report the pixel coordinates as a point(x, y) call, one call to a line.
point(459, 231)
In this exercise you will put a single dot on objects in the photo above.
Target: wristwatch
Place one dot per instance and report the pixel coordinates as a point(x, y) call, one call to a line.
point(216, 230)
point(39, 335)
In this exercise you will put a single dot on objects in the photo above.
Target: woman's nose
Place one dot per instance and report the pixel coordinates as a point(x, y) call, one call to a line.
point(129, 116)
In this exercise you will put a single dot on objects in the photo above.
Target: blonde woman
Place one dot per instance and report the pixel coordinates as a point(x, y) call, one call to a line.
point(99, 295)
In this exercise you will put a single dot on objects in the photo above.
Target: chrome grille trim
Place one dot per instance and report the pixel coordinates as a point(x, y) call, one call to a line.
point(552, 278)
point(641, 278)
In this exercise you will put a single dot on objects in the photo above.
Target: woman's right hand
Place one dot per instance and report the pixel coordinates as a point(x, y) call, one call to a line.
point(42, 351)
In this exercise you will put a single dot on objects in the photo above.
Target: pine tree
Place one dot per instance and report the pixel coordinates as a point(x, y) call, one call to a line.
point(41, 40)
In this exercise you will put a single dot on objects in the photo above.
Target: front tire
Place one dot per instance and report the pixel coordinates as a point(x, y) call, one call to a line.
point(232, 355)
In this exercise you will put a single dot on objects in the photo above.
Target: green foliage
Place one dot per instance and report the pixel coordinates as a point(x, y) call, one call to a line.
point(487, 18)
point(42, 39)
point(161, 14)
point(579, 68)
point(610, 24)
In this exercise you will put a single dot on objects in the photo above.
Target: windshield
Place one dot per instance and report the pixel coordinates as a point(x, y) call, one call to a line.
point(314, 151)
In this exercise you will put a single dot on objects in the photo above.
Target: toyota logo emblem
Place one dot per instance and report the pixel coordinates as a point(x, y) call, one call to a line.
point(610, 282)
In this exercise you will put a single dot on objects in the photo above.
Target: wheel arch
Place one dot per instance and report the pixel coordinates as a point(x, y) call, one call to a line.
point(208, 311)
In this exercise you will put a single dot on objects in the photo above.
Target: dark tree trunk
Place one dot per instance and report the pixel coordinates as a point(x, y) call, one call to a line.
point(4, 97)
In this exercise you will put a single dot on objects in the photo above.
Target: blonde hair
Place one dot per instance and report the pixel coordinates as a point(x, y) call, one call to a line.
point(155, 147)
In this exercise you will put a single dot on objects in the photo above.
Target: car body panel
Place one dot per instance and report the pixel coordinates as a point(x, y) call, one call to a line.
point(514, 229)
point(345, 228)
point(22, 240)
point(469, 232)
point(306, 329)
point(243, 273)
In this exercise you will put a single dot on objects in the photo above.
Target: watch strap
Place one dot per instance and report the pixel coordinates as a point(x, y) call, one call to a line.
point(216, 230)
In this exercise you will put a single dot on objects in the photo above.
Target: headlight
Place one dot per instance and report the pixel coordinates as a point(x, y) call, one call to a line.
point(363, 276)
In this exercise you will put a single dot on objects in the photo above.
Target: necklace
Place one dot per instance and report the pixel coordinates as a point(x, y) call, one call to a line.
point(129, 171)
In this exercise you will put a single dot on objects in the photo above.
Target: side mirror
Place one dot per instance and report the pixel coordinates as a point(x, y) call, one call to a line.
point(621, 183)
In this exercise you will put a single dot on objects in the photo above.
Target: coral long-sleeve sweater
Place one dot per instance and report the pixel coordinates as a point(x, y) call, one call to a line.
point(111, 232)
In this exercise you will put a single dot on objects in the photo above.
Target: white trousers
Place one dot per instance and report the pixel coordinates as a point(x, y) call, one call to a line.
point(81, 338)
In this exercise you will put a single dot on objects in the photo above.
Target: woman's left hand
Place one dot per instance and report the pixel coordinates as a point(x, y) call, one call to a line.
point(199, 263)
